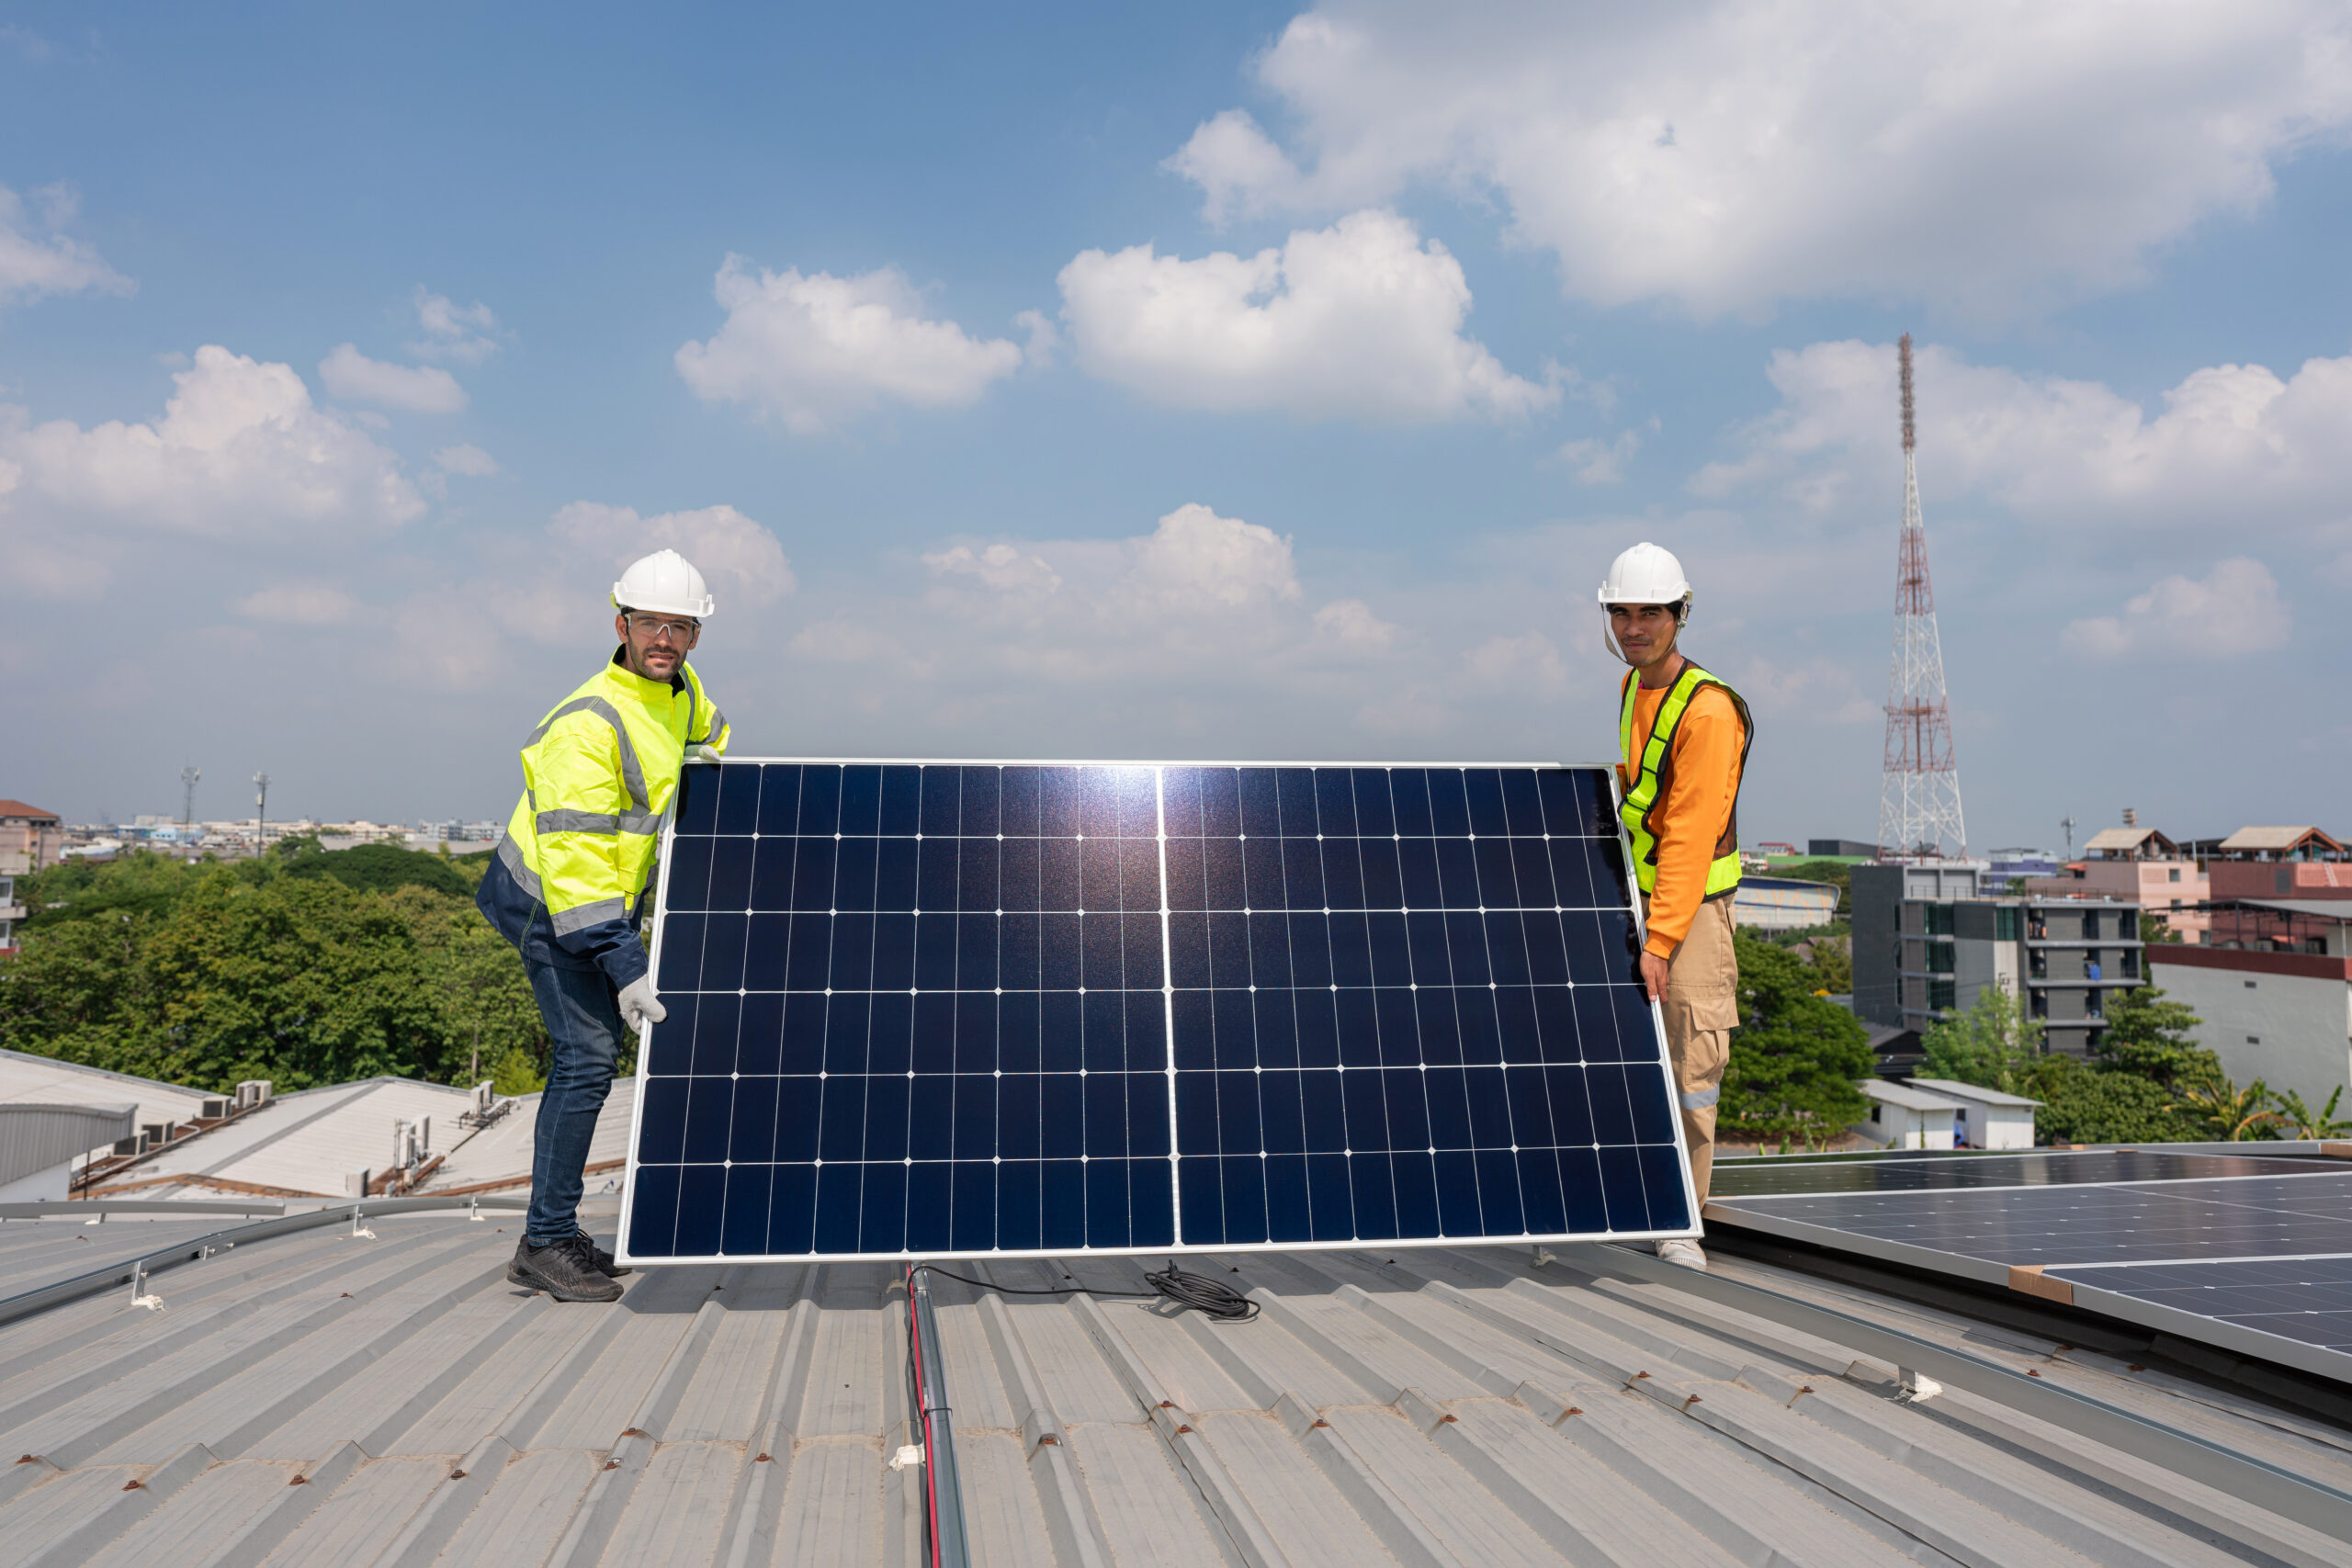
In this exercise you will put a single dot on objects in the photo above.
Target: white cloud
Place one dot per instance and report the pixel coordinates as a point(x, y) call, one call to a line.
point(1727, 154)
point(813, 351)
point(1351, 622)
point(1002, 567)
point(299, 605)
point(37, 260)
point(467, 333)
point(2234, 611)
point(2233, 442)
point(1360, 319)
point(419, 389)
point(727, 547)
point(241, 451)
point(469, 460)
point(1239, 170)
point(1601, 463)
point(1529, 661)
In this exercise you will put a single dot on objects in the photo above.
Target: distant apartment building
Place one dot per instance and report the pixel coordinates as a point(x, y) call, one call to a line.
point(2140, 865)
point(2006, 866)
point(2272, 984)
point(1840, 849)
point(1928, 938)
point(31, 838)
point(2279, 863)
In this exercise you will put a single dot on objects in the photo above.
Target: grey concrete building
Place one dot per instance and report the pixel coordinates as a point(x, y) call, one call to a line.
point(1928, 941)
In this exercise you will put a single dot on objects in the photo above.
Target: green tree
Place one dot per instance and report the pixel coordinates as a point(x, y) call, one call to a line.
point(1992, 1045)
point(2088, 1105)
point(209, 973)
point(2228, 1114)
point(2156, 929)
point(2298, 1119)
point(517, 1073)
point(381, 868)
point(1795, 1058)
point(2154, 1038)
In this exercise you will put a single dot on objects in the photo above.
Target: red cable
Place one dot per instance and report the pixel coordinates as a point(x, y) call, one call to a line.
point(923, 1417)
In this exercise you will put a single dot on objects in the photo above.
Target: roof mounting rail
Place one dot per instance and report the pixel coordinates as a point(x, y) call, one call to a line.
point(942, 1488)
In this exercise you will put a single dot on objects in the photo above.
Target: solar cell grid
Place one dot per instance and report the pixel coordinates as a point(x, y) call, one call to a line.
point(928, 1008)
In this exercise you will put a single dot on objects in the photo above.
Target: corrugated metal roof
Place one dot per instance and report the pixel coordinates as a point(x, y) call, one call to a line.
point(35, 1252)
point(26, 1078)
point(1439, 1406)
point(1905, 1096)
point(1953, 1089)
point(307, 1142)
point(41, 1135)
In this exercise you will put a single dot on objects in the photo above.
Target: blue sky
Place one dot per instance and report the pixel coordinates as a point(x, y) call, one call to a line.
point(1432, 321)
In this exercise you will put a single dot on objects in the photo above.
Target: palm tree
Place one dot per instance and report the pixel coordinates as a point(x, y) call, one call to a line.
point(2308, 1123)
point(2236, 1115)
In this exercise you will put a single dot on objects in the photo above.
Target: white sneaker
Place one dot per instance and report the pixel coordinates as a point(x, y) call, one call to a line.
point(1685, 1253)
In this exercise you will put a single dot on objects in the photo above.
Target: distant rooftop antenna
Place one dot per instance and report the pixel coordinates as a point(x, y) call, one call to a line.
point(1918, 812)
point(2130, 816)
point(2067, 822)
point(261, 808)
point(187, 798)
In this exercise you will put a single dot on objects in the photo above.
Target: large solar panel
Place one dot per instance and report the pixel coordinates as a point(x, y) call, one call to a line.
point(971, 1008)
point(2247, 1252)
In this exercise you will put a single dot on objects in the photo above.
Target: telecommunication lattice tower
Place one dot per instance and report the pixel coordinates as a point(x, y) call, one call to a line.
point(1919, 811)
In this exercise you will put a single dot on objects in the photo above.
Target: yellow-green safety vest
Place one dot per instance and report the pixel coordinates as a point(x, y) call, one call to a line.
point(599, 774)
point(1654, 769)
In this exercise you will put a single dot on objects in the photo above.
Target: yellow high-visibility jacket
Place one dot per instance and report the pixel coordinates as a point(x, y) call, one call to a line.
point(598, 775)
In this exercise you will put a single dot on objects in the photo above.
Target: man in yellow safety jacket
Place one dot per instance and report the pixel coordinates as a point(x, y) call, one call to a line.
point(598, 775)
point(1684, 735)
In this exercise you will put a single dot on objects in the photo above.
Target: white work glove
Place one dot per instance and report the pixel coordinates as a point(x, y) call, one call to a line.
point(699, 753)
point(640, 1010)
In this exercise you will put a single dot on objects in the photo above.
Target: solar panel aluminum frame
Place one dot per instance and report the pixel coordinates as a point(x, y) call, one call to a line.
point(1180, 1247)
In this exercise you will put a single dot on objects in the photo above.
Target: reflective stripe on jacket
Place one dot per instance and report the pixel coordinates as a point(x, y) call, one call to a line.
point(598, 774)
point(1652, 775)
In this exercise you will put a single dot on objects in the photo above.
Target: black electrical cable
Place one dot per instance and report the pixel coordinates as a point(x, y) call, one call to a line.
point(1199, 1291)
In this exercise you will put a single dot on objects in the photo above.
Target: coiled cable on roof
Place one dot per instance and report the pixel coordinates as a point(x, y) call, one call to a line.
point(1204, 1294)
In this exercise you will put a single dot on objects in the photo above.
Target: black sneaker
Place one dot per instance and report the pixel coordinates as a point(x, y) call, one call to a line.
point(603, 1261)
point(564, 1270)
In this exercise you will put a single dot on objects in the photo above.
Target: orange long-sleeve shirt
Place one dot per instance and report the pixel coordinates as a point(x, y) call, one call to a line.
point(1702, 786)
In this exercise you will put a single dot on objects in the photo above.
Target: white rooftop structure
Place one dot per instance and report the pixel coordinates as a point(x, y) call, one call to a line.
point(310, 1143)
point(1906, 1118)
point(27, 1079)
point(1989, 1118)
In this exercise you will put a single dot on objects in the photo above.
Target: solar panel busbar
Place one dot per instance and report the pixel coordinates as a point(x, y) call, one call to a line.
point(932, 1009)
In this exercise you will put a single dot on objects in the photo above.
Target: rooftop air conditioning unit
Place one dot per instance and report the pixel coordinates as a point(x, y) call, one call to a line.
point(131, 1145)
point(355, 1182)
point(483, 1095)
point(157, 1132)
point(424, 1137)
point(252, 1092)
point(216, 1108)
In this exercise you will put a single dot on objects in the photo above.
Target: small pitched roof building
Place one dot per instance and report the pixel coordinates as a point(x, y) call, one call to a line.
point(2129, 843)
point(2304, 842)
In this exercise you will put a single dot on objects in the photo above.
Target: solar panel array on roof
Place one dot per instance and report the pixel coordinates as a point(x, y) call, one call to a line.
point(2196, 1243)
point(957, 1010)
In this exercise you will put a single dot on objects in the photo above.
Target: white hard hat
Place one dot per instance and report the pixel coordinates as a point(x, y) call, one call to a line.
point(664, 581)
point(1646, 574)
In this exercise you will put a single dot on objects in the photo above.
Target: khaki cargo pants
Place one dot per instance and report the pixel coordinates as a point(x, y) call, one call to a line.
point(1702, 1008)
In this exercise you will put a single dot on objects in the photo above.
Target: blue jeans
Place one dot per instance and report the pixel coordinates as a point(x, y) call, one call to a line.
point(582, 1013)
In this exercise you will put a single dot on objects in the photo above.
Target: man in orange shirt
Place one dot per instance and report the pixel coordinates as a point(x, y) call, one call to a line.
point(1685, 736)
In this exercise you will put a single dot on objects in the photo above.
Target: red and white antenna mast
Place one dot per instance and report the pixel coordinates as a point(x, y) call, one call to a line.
point(1918, 809)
